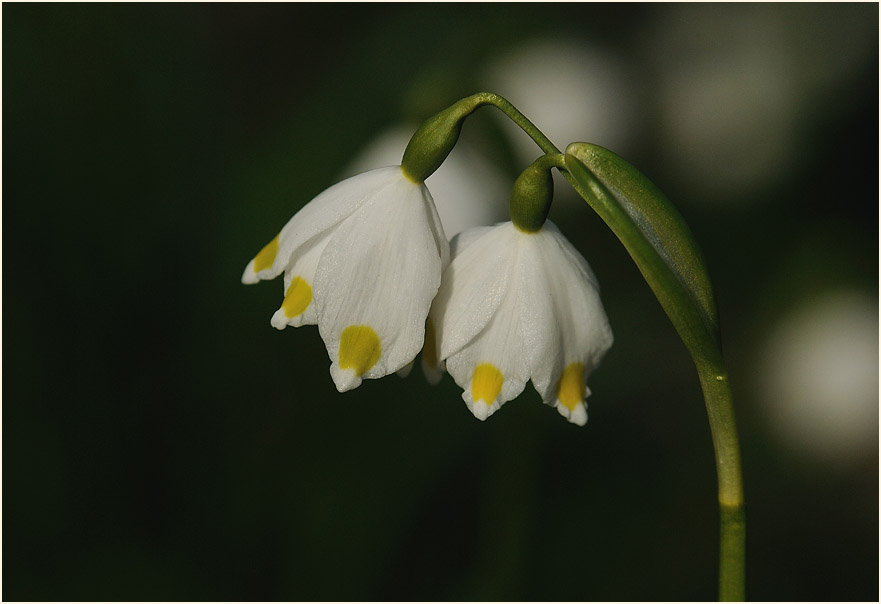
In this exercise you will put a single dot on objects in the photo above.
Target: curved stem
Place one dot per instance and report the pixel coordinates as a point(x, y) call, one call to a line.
point(708, 360)
point(436, 137)
point(501, 103)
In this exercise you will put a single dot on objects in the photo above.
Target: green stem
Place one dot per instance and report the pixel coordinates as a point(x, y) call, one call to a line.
point(732, 547)
point(702, 344)
point(436, 137)
point(501, 103)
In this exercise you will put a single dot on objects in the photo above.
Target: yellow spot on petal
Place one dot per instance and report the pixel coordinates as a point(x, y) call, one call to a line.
point(297, 298)
point(359, 348)
point(486, 383)
point(266, 257)
point(572, 388)
point(429, 348)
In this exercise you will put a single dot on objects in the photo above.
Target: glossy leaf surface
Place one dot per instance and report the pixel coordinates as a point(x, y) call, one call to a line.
point(654, 233)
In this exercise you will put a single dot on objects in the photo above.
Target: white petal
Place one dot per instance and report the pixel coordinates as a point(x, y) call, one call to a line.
point(345, 379)
point(437, 229)
point(541, 323)
point(381, 269)
point(588, 327)
point(249, 276)
point(464, 239)
point(302, 267)
point(577, 416)
point(473, 285)
point(582, 330)
point(492, 368)
point(434, 370)
point(496, 353)
point(322, 213)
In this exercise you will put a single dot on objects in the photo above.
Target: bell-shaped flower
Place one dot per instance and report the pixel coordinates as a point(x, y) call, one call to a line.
point(363, 261)
point(515, 306)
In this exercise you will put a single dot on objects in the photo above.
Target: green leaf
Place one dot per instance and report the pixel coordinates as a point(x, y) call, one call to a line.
point(655, 235)
point(663, 248)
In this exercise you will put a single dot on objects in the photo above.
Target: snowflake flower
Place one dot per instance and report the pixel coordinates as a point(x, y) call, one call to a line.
point(515, 306)
point(363, 261)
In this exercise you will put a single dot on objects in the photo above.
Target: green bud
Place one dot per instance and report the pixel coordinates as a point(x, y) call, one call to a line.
point(435, 138)
point(532, 196)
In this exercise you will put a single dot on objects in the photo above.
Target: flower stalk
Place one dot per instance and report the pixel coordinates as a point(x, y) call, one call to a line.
point(432, 142)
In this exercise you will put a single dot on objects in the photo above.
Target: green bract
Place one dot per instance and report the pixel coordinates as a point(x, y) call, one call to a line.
point(654, 233)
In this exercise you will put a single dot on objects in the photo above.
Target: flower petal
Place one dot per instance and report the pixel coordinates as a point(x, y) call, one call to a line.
point(571, 394)
point(299, 279)
point(437, 229)
point(380, 269)
point(473, 286)
point(432, 365)
point(259, 264)
point(322, 213)
point(582, 329)
point(541, 324)
point(492, 367)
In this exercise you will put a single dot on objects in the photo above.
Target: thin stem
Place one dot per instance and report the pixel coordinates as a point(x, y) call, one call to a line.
point(501, 103)
point(436, 137)
point(732, 546)
point(704, 350)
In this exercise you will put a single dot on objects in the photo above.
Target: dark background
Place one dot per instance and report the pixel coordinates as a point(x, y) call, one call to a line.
point(162, 441)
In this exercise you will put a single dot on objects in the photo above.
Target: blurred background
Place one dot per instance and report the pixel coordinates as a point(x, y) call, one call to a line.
point(162, 441)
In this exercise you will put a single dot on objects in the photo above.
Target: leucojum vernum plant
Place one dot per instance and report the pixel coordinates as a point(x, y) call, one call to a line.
point(368, 262)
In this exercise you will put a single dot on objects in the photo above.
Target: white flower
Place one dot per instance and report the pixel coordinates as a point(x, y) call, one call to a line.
point(363, 261)
point(515, 306)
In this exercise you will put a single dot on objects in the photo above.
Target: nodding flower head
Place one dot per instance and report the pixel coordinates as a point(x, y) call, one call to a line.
point(515, 306)
point(363, 261)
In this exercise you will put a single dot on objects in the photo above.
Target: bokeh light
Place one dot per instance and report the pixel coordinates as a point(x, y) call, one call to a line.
point(819, 375)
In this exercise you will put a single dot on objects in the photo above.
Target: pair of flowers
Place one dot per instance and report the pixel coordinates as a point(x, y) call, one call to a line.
point(368, 262)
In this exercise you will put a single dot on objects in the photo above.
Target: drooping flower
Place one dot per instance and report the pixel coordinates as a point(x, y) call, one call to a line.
point(363, 261)
point(515, 306)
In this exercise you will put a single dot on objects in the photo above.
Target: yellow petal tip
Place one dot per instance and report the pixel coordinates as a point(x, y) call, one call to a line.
point(486, 383)
point(572, 388)
point(266, 257)
point(360, 348)
point(297, 298)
